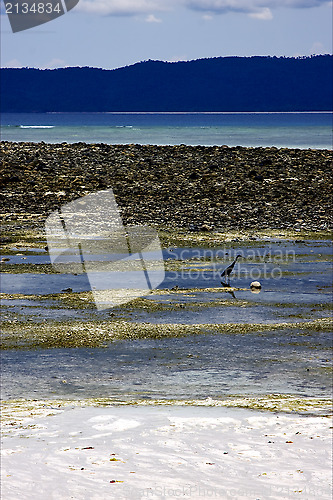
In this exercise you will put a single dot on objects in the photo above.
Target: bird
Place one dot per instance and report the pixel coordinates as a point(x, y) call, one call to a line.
point(228, 270)
point(231, 293)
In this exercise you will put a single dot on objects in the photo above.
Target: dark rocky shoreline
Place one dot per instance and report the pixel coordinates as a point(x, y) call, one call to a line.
point(194, 188)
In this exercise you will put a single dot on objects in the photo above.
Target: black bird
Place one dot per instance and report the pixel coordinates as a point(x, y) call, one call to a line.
point(228, 270)
point(231, 293)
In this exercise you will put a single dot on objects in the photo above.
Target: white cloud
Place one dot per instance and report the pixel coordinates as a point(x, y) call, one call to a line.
point(317, 48)
point(219, 6)
point(152, 19)
point(178, 58)
point(13, 63)
point(264, 14)
point(121, 7)
point(260, 9)
point(54, 63)
point(250, 6)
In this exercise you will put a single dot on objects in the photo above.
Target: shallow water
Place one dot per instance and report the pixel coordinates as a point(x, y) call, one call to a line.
point(196, 367)
point(295, 278)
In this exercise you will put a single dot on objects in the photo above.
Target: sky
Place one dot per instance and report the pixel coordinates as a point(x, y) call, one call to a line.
point(115, 33)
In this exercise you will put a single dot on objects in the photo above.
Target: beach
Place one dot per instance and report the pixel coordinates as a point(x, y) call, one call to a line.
point(194, 391)
point(67, 451)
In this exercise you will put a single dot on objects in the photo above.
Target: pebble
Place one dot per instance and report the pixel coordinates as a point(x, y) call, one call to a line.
point(255, 286)
point(183, 187)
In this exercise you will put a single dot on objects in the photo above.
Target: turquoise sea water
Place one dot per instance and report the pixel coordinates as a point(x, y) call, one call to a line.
point(293, 130)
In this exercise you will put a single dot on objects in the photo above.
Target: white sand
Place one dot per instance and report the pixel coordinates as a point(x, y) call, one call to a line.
point(165, 452)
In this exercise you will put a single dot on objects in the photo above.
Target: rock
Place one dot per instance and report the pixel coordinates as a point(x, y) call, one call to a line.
point(206, 227)
point(183, 187)
point(6, 239)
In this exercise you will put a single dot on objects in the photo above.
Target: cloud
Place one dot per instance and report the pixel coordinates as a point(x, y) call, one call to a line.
point(13, 63)
point(178, 58)
point(54, 63)
point(260, 9)
point(317, 48)
point(264, 14)
point(152, 19)
point(250, 6)
point(122, 7)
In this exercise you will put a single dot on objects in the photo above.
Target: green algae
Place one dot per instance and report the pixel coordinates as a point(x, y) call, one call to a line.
point(170, 265)
point(19, 414)
point(69, 300)
point(65, 334)
point(84, 300)
point(27, 268)
point(80, 300)
point(316, 306)
point(173, 301)
point(152, 305)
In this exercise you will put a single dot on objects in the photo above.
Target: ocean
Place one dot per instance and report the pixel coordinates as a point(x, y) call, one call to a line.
point(291, 130)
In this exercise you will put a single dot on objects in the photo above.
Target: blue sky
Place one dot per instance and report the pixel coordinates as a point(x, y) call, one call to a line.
point(114, 33)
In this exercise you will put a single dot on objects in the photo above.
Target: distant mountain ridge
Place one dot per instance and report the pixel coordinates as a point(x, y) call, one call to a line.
point(257, 83)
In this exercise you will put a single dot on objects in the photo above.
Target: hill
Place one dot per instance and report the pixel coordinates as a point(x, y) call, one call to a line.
point(217, 84)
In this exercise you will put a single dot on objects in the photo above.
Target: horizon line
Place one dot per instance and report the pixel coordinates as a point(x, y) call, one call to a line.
point(310, 56)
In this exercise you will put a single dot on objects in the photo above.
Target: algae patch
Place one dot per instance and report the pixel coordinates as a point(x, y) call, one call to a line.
point(22, 414)
point(66, 334)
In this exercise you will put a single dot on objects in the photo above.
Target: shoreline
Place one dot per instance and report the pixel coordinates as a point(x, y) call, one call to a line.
point(176, 112)
point(287, 404)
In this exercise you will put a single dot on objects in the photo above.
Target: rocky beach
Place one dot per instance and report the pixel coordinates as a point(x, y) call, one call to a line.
point(188, 188)
point(196, 389)
point(194, 196)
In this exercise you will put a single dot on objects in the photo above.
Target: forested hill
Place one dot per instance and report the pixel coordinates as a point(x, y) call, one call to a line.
point(217, 84)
